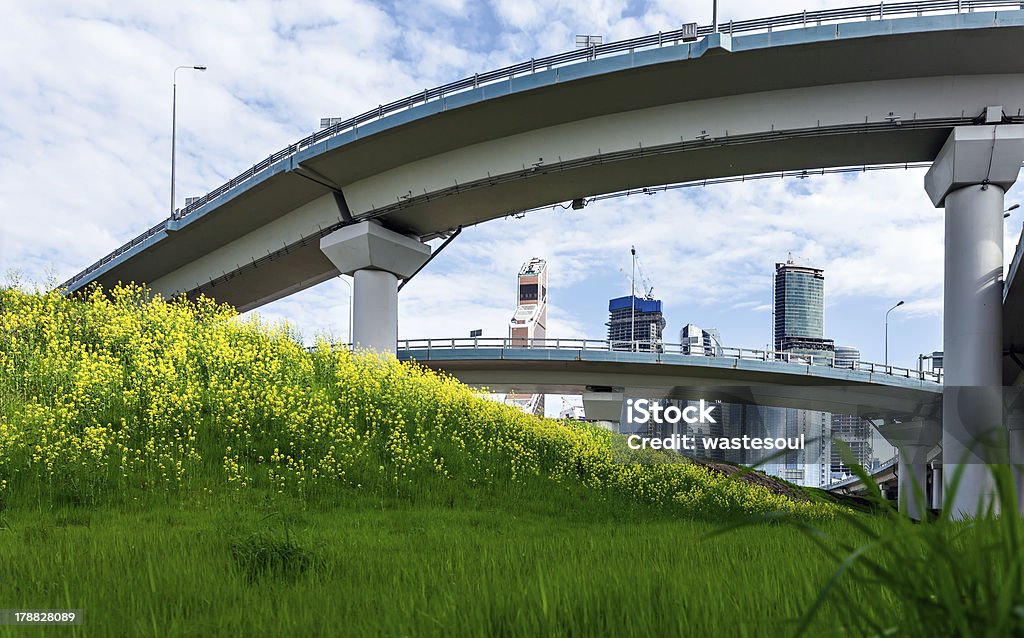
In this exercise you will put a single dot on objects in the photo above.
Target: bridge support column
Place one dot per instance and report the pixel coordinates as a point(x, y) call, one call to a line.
point(936, 496)
point(376, 258)
point(914, 439)
point(969, 178)
point(1015, 424)
point(913, 481)
point(603, 405)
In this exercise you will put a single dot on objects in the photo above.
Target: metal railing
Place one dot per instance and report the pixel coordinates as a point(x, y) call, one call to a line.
point(880, 10)
point(658, 349)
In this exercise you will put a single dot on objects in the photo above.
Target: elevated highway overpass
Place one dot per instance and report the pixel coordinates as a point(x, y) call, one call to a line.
point(593, 368)
point(857, 86)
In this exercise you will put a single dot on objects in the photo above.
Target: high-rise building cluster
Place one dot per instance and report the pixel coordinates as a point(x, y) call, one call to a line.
point(637, 323)
point(798, 322)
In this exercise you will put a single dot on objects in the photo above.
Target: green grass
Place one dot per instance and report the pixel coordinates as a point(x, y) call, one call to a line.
point(534, 561)
point(530, 559)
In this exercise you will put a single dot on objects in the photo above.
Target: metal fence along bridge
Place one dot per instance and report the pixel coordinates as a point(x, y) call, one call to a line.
point(500, 348)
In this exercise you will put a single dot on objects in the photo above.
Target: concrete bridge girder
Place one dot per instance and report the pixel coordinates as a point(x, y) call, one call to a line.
point(546, 151)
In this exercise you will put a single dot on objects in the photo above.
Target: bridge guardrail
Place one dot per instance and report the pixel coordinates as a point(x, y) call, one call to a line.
point(659, 348)
point(880, 10)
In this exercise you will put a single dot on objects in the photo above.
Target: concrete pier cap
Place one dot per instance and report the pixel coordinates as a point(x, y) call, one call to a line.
point(603, 404)
point(376, 258)
point(987, 154)
point(368, 245)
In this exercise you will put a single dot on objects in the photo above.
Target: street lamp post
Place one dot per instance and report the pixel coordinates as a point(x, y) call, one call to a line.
point(174, 122)
point(887, 330)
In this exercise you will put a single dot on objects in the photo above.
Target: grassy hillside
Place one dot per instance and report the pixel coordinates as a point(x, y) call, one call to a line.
point(105, 399)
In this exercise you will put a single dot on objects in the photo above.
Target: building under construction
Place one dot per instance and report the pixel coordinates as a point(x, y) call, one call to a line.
point(635, 326)
point(854, 431)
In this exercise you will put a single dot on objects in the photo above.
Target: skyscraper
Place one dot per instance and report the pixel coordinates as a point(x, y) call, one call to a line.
point(799, 317)
point(636, 326)
point(531, 317)
point(799, 328)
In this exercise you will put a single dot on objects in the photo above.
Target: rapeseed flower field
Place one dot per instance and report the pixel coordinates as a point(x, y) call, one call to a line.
point(117, 393)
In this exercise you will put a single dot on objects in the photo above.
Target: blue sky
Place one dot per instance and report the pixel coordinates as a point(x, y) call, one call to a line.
point(85, 144)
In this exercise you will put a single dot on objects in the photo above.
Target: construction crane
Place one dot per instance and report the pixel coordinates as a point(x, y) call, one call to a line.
point(646, 288)
point(645, 282)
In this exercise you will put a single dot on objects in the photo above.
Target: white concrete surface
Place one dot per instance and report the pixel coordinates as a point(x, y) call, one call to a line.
point(376, 258)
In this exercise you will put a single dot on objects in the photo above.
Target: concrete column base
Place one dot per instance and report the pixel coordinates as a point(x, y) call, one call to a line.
point(375, 310)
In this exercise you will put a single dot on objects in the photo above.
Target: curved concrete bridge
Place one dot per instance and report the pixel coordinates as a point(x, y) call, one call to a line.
point(604, 372)
point(820, 89)
point(905, 405)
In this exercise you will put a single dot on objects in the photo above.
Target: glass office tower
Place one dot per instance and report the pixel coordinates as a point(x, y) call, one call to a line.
point(799, 327)
point(799, 315)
